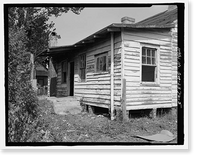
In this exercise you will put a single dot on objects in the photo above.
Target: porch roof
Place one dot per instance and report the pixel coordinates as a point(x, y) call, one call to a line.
point(160, 21)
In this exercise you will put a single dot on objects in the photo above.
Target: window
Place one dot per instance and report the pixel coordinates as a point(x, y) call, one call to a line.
point(64, 72)
point(149, 65)
point(101, 62)
point(82, 67)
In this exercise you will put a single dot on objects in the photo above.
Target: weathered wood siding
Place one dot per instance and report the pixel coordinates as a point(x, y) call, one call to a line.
point(140, 96)
point(174, 66)
point(95, 90)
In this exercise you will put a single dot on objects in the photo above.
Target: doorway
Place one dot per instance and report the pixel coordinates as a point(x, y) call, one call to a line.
point(71, 93)
point(53, 85)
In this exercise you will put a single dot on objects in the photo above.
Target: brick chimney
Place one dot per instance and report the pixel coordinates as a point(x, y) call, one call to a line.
point(127, 20)
point(53, 40)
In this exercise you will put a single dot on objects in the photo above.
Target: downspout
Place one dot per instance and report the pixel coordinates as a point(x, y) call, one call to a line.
point(112, 78)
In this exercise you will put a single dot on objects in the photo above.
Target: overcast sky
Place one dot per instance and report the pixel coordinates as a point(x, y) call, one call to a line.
point(73, 28)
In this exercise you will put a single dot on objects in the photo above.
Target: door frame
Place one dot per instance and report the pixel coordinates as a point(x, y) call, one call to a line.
point(71, 89)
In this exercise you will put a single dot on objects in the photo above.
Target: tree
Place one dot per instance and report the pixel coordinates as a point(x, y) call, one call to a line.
point(28, 33)
point(34, 21)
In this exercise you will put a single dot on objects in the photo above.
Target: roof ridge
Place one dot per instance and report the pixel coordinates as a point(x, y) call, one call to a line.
point(155, 18)
point(151, 17)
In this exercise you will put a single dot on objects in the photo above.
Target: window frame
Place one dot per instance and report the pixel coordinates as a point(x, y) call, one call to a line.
point(98, 56)
point(157, 65)
point(82, 66)
point(63, 81)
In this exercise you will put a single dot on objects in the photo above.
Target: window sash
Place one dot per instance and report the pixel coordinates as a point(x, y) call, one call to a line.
point(149, 59)
point(82, 61)
point(82, 75)
point(101, 63)
point(152, 72)
point(64, 72)
point(148, 56)
point(83, 67)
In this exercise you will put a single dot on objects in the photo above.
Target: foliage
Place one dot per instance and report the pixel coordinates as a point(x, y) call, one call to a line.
point(22, 99)
point(87, 127)
point(34, 20)
point(28, 33)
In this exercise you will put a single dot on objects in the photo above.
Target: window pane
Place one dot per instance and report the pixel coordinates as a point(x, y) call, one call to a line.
point(153, 53)
point(97, 64)
point(148, 73)
point(82, 61)
point(83, 74)
point(148, 52)
point(104, 63)
point(100, 63)
point(153, 61)
point(148, 60)
point(143, 60)
point(143, 51)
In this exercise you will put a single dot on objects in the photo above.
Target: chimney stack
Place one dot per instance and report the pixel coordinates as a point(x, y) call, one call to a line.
point(53, 40)
point(127, 20)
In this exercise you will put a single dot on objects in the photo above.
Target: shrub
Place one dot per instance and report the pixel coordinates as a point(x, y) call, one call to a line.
point(22, 107)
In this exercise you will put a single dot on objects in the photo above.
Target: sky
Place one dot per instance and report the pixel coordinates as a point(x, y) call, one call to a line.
point(73, 28)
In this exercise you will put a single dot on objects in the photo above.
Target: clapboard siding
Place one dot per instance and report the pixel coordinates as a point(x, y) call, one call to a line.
point(140, 96)
point(174, 66)
point(96, 90)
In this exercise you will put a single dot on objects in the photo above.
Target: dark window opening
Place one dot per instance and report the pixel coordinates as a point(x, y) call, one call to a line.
point(82, 67)
point(64, 72)
point(148, 73)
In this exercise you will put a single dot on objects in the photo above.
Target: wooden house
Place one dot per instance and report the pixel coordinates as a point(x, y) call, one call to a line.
point(144, 54)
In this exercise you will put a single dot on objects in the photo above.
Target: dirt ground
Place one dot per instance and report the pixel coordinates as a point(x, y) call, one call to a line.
point(85, 127)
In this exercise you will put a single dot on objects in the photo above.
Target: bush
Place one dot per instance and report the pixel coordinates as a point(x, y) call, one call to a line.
point(22, 107)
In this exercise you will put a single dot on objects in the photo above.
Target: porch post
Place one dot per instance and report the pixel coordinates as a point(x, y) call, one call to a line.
point(112, 79)
point(48, 89)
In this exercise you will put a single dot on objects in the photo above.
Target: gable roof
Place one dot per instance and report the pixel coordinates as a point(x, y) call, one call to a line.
point(165, 19)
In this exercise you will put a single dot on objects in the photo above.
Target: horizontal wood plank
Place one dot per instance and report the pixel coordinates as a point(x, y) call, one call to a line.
point(148, 103)
point(140, 107)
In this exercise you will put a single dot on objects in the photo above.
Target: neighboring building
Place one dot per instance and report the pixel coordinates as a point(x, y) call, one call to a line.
point(144, 54)
point(42, 79)
point(41, 75)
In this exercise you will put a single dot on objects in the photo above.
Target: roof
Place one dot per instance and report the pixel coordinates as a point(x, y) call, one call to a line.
point(162, 20)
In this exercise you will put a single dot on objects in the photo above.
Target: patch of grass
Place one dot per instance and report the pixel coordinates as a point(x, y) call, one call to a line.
point(85, 127)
